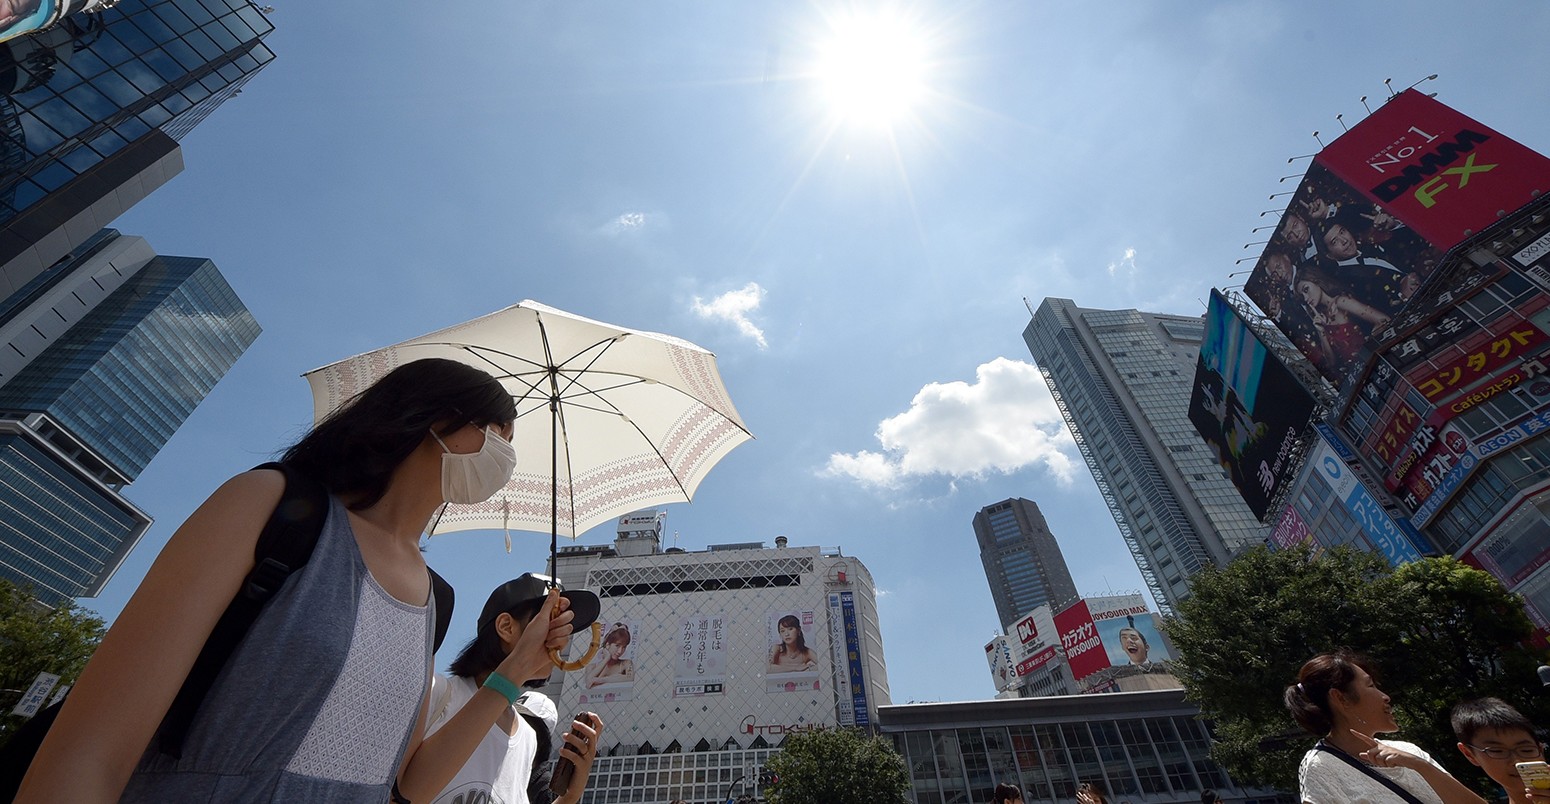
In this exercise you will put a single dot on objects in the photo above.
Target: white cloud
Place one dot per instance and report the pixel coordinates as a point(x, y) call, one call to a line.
point(1127, 263)
point(734, 306)
point(1003, 422)
point(624, 224)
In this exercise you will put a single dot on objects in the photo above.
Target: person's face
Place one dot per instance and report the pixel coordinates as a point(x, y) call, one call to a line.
point(1310, 292)
point(788, 634)
point(1507, 743)
point(615, 650)
point(1339, 242)
point(1295, 230)
point(1279, 268)
point(1134, 646)
point(1366, 707)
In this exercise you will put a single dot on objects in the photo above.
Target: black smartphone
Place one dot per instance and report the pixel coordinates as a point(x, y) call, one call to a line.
point(565, 770)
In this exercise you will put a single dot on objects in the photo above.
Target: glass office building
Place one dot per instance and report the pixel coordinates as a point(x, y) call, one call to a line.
point(124, 378)
point(1121, 379)
point(1023, 562)
point(89, 87)
point(64, 526)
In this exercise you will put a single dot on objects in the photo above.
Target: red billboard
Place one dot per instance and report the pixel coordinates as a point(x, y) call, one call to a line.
point(1439, 172)
point(1372, 219)
point(1079, 637)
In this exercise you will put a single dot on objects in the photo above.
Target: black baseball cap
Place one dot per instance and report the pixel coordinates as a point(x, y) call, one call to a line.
point(531, 587)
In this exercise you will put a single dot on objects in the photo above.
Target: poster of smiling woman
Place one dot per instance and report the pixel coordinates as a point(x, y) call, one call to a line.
point(611, 674)
point(792, 664)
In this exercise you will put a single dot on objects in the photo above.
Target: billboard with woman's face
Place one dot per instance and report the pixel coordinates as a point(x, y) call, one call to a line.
point(792, 663)
point(610, 676)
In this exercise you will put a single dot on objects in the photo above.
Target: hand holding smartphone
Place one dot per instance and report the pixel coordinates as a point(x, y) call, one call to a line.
point(1535, 775)
point(565, 769)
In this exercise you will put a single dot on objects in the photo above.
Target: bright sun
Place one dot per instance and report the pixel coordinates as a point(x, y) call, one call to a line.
point(872, 69)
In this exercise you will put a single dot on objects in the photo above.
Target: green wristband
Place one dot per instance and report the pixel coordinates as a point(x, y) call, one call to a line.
point(501, 684)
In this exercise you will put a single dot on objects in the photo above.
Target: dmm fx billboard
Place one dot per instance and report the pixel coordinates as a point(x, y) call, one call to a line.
point(1247, 406)
point(1373, 217)
point(1386, 537)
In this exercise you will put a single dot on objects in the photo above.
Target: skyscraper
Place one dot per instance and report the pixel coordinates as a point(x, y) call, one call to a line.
point(1023, 563)
point(1121, 379)
point(95, 381)
point(91, 109)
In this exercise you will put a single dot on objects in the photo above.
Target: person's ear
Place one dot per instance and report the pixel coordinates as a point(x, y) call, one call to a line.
point(1469, 754)
point(507, 627)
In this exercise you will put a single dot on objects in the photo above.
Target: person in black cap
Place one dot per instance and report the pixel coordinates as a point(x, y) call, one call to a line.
point(485, 732)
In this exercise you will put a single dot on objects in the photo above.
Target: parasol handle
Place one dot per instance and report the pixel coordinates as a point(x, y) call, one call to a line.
point(597, 641)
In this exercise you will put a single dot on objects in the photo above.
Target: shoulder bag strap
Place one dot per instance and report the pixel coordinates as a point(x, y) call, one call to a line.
point(445, 598)
point(1393, 786)
point(284, 546)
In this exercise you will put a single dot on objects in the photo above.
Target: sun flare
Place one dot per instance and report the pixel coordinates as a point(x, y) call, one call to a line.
point(873, 69)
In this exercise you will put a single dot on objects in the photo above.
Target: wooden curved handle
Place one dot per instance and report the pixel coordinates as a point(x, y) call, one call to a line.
point(597, 641)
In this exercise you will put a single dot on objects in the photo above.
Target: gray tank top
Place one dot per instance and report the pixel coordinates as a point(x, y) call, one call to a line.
point(318, 701)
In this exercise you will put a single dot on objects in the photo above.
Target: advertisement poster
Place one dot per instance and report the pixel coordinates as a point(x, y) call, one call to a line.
point(1290, 530)
point(792, 665)
point(842, 692)
point(1079, 637)
point(1436, 170)
point(610, 676)
point(1247, 406)
point(701, 667)
point(1131, 639)
point(857, 679)
point(998, 654)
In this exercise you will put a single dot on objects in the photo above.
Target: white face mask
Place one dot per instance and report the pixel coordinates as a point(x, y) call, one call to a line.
point(476, 476)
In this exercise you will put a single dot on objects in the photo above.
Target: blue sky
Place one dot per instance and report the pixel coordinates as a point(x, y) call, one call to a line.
point(683, 167)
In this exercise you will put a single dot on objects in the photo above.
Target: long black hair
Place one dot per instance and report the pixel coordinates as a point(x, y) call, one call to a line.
point(355, 450)
point(484, 653)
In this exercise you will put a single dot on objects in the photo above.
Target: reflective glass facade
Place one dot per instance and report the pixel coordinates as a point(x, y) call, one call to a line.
point(1149, 746)
point(79, 93)
point(1023, 562)
point(60, 533)
point(125, 378)
point(1121, 379)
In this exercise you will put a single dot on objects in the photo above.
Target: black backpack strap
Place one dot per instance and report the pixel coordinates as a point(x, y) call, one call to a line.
point(284, 546)
point(538, 779)
point(445, 598)
point(1393, 786)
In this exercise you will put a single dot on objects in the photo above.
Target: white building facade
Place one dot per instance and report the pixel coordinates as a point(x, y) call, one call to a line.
point(728, 651)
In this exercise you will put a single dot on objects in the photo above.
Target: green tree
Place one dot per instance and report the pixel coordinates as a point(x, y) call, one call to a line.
point(842, 766)
point(1437, 630)
point(34, 639)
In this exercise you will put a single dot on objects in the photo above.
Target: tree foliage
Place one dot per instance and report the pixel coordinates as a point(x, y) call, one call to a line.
point(34, 639)
point(842, 766)
point(1437, 630)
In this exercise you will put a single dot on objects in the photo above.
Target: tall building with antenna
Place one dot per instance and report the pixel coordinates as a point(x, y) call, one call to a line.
point(1121, 379)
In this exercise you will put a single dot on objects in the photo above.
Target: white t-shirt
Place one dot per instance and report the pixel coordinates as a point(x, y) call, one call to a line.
point(499, 769)
point(1326, 779)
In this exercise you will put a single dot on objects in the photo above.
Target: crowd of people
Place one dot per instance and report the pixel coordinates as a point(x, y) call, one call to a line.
point(1337, 268)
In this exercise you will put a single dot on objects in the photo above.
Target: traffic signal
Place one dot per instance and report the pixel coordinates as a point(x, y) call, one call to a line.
point(767, 778)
